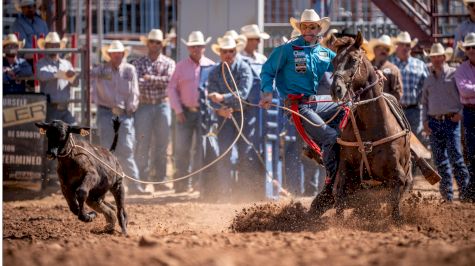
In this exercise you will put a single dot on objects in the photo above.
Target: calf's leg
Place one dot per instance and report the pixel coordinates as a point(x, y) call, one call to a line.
point(101, 207)
point(119, 195)
point(82, 194)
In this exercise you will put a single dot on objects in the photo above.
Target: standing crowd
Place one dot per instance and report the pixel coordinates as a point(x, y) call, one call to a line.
point(436, 94)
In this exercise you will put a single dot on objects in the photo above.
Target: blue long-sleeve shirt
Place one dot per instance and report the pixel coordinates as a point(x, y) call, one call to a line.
point(21, 68)
point(27, 28)
point(242, 74)
point(296, 68)
point(58, 90)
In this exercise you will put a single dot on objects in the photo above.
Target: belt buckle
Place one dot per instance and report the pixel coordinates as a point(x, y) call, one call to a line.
point(192, 109)
point(117, 111)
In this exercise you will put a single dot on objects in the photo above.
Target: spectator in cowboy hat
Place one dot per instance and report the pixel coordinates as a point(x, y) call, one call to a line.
point(253, 36)
point(14, 67)
point(413, 73)
point(382, 48)
point(442, 112)
point(182, 90)
point(465, 79)
point(153, 117)
point(115, 91)
point(56, 75)
point(29, 23)
point(227, 107)
point(464, 28)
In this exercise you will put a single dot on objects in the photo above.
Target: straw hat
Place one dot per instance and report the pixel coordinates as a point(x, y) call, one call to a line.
point(154, 34)
point(227, 42)
point(468, 41)
point(465, 2)
point(11, 38)
point(239, 38)
point(437, 49)
point(385, 41)
point(309, 15)
point(115, 47)
point(196, 38)
point(52, 37)
point(22, 3)
point(404, 37)
point(252, 31)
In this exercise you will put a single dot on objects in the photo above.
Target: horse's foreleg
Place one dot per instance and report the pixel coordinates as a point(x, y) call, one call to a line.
point(395, 196)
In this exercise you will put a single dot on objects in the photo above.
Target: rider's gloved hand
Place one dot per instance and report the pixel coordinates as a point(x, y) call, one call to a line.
point(266, 100)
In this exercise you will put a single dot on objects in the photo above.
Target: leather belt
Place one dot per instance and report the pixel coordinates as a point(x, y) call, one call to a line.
point(443, 116)
point(192, 109)
point(59, 106)
point(154, 101)
point(469, 106)
point(409, 106)
point(115, 110)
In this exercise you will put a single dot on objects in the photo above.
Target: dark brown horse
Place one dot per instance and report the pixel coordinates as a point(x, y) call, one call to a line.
point(382, 139)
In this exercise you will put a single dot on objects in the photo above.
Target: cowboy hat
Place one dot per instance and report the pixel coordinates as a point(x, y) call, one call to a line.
point(404, 37)
point(437, 49)
point(22, 3)
point(239, 38)
point(116, 46)
point(52, 37)
point(252, 31)
point(465, 2)
point(155, 35)
point(11, 38)
point(196, 38)
point(449, 53)
point(383, 40)
point(468, 41)
point(309, 15)
point(226, 42)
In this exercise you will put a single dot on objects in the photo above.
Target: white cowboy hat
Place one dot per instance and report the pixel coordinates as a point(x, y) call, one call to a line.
point(383, 40)
point(11, 38)
point(155, 35)
point(52, 37)
point(116, 46)
point(226, 42)
point(449, 53)
point(196, 38)
point(22, 3)
point(171, 33)
point(465, 2)
point(404, 37)
point(239, 38)
point(309, 15)
point(252, 31)
point(436, 49)
point(468, 41)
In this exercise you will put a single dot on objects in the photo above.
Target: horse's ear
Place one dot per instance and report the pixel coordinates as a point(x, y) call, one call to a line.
point(358, 40)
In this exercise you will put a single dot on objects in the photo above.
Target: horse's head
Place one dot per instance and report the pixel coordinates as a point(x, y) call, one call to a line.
point(349, 66)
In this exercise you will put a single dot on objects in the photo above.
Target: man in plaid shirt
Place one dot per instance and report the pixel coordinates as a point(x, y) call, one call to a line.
point(413, 72)
point(153, 118)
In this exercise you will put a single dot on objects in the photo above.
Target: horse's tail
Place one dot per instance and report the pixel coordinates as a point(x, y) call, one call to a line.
point(116, 125)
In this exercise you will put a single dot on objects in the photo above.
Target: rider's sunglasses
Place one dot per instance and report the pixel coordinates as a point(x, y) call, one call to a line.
point(309, 27)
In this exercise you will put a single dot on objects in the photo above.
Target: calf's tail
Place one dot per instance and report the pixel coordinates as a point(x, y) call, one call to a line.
point(116, 125)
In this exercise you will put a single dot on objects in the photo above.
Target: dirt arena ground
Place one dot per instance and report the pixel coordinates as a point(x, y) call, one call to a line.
point(172, 229)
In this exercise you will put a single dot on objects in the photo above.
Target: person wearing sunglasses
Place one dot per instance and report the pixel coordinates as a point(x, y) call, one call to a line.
point(465, 79)
point(29, 23)
point(464, 28)
point(153, 116)
point(297, 68)
point(250, 170)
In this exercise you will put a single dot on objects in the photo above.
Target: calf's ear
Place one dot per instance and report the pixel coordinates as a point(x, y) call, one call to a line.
point(43, 126)
point(83, 131)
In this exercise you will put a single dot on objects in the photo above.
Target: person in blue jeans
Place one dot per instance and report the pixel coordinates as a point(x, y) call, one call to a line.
point(465, 79)
point(153, 116)
point(297, 68)
point(442, 114)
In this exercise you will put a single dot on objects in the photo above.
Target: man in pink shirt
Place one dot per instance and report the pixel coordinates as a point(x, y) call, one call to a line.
point(465, 79)
point(184, 100)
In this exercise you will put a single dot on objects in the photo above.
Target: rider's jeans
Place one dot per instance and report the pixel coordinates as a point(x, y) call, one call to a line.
point(324, 135)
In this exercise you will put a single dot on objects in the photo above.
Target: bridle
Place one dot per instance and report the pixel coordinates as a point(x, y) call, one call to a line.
point(352, 95)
